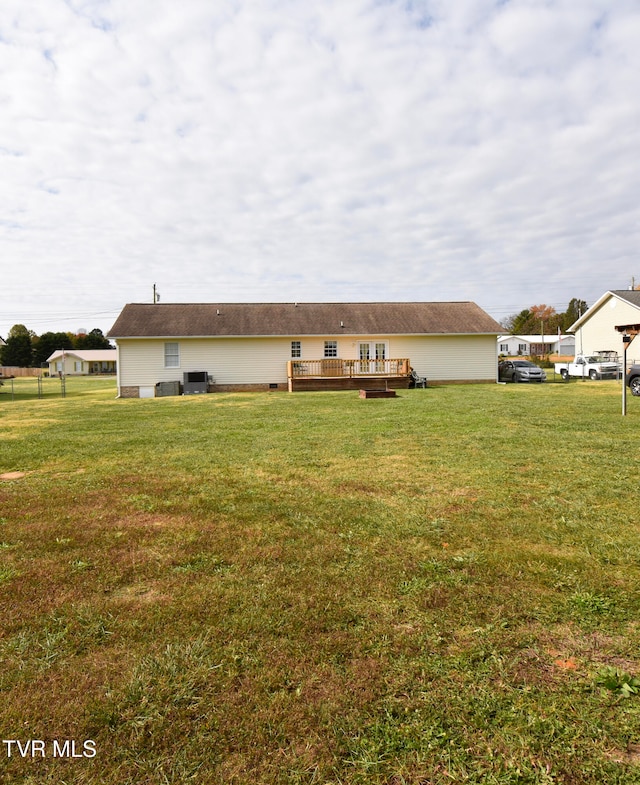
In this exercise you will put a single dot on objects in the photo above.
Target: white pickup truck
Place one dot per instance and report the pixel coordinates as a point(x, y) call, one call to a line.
point(591, 366)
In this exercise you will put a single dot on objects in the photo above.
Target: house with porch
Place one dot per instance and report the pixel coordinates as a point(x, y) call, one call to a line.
point(300, 346)
point(82, 362)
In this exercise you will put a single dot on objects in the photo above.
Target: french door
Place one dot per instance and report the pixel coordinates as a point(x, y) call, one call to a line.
point(372, 355)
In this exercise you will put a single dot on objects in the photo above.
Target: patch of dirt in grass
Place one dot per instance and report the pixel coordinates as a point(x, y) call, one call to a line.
point(594, 647)
point(563, 653)
point(139, 594)
point(630, 756)
point(530, 667)
point(12, 475)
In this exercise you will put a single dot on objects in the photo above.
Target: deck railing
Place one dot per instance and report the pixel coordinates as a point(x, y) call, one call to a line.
point(334, 367)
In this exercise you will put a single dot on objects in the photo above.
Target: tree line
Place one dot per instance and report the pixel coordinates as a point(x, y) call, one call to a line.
point(545, 319)
point(25, 349)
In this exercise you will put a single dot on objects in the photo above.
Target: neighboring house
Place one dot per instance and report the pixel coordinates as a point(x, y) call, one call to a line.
point(295, 346)
point(513, 345)
point(82, 362)
point(596, 330)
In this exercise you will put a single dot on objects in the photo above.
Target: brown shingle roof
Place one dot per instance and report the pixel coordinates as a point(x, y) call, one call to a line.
point(164, 320)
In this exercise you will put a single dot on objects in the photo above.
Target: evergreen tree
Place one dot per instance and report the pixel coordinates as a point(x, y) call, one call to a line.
point(574, 311)
point(522, 322)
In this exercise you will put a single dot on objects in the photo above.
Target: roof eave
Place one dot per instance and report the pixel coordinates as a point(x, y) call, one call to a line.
point(594, 307)
point(344, 333)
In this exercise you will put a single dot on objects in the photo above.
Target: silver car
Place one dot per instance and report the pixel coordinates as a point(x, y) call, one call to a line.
point(520, 371)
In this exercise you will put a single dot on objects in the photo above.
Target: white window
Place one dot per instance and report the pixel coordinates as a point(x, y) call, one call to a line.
point(77, 366)
point(172, 355)
point(296, 349)
point(504, 347)
point(330, 348)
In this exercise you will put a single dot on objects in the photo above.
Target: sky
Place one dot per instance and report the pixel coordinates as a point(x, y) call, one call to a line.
point(336, 150)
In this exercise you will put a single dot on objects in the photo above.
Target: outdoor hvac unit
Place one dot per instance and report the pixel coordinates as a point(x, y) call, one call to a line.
point(195, 382)
point(167, 388)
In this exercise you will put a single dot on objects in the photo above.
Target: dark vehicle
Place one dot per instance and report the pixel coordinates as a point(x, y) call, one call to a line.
point(520, 371)
point(633, 379)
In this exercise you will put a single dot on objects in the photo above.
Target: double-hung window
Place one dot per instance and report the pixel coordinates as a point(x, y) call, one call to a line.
point(330, 348)
point(172, 355)
point(296, 349)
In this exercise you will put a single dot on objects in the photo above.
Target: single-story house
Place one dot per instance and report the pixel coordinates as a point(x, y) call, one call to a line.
point(298, 346)
point(82, 362)
point(514, 345)
point(596, 330)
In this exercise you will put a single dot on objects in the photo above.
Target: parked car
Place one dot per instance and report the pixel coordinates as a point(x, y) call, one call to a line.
point(520, 371)
point(633, 379)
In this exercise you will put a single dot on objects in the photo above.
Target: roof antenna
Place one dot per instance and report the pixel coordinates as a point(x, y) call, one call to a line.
point(156, 295)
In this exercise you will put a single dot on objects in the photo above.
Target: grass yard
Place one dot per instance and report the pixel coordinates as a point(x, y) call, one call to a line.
point(269, 588)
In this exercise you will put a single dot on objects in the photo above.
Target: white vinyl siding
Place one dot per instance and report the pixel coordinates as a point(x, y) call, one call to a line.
point(598, 332)
point(449, 357)
point(227, 360)
point(264, 360)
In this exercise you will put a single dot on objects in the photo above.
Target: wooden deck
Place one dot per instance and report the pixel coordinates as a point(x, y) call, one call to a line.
point(336, 374)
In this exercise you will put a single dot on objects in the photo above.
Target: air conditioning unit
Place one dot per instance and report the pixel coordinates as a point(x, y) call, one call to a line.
point(195, 382)
point(167, 388)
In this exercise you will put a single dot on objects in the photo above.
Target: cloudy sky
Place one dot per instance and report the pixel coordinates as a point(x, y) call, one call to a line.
point(287, 150)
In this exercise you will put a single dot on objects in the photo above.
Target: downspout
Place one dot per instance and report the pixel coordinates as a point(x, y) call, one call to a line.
point(117, 371)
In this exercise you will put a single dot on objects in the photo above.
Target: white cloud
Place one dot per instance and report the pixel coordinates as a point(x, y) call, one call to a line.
point(287, 150)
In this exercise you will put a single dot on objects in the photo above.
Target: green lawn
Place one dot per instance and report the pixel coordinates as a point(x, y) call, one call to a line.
point(314, 588)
